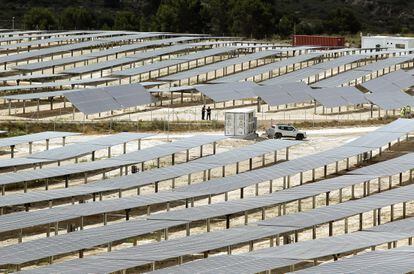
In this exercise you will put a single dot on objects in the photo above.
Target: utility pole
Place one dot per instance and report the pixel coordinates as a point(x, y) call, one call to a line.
point(13, 23)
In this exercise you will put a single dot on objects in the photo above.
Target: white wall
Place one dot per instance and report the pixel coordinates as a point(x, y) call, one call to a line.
point(387, 42)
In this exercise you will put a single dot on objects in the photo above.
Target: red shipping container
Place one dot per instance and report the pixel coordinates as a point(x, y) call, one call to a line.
point(316, 40)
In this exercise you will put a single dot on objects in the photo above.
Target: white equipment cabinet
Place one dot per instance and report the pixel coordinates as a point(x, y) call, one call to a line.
point(240, 123)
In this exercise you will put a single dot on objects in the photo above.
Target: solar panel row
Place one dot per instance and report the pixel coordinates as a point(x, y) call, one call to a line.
point(148, 253)
point(90, 101)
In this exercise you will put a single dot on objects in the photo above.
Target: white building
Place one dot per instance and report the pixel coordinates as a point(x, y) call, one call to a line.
point(391, 42)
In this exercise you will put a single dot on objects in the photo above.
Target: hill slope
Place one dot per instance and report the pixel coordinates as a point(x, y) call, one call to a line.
point(255, 17)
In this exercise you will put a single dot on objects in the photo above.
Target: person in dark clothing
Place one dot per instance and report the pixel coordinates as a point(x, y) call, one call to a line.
point(208, 113)
point(203, 113)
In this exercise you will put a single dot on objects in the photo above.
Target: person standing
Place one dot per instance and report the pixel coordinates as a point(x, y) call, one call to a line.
point(209, 113)
point(203, 113)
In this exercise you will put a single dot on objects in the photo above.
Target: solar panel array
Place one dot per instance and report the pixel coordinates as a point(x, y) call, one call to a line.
point(386, 91)
point(173, 62)
point(286, 93)
point(100, 53)
point(362, 71)
point(296, 253)
point(314, 69)
point(71, 151)
point(221, 65)
point(34, 137)
point(59, 84)
point(267, 68)
point(144, 254)
point(398, 260)
point(148, 253)
point(336, 97)
point(151, 176)
point(97, 100)
point(111, 163)
point(228, 91)
point(168, 57)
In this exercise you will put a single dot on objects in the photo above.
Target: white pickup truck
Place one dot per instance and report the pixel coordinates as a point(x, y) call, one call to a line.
point(279, 131)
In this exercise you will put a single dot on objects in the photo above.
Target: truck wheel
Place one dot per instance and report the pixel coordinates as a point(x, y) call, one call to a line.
point(300, 137)
point(278, 135)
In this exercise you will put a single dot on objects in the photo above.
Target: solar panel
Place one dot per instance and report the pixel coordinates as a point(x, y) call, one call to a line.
point(68, 39)
point(239, 181)
point(359, 72)
point(400, 125)
point(152, 176)
point(397, 260)
point(385, 63)
point(130, 95)
point(220, 65)
point(392, 82)
point(228, 264)
point(90, 101)
point(173, 62)
point(102, 53)
point(32, 77)
point(83, 148)
point(330, 185)
point(11, 141)
point(111, 163)
point(144, 254)
point(267, 68)
point(35, 95)
point(295, 76)
point(127, 59)
point(285, 93)
point(56, 84)
point(71, 47)
point(340, 96)
point(340, 61)
point(341, 78)
point(313, 70)
point(228, 91)
point(390, 100)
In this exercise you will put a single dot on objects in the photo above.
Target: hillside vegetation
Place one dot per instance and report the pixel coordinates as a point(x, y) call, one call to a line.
point(249, 18)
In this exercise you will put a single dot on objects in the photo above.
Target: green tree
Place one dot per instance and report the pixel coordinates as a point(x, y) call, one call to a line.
point(343, 21)
point(77, 18)
point(126, 20)
point(179, 16)
point(216, 16)
point(146, 10)
point(251, 18)
point(309, 27)
point(113, 4)
point(286, 26)
point(39, 18)
point(104, 21)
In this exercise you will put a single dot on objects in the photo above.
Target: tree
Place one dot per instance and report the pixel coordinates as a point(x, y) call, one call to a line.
point(126, 20)
point(179, 16)
point(146, 10)
point(343, 21)
point(77, 18)
point(309, 27)
point(286, 26)
point(104, 21)
point(251, 18)
point(216, 16)
point(39, 18)
point(113, 4)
